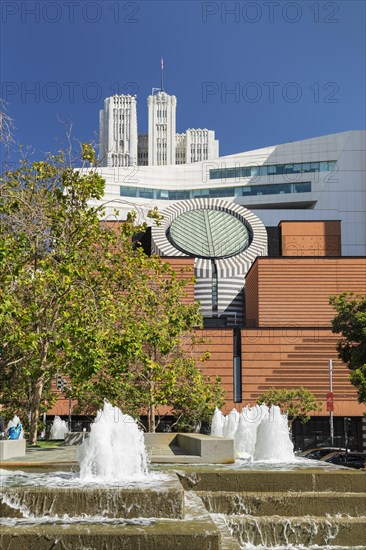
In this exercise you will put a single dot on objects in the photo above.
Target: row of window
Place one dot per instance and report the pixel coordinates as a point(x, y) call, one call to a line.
point(272, 169)
point(244, 191)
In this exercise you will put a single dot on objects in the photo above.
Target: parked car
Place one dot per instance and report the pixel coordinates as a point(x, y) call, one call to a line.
point(319, 452)
point(351, 460)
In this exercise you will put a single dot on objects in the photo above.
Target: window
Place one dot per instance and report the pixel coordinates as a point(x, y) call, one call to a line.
point(217, 192)
point(272, 169)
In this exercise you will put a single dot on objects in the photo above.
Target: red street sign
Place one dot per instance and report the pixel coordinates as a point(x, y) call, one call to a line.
point(330, 406)
point(329, 395)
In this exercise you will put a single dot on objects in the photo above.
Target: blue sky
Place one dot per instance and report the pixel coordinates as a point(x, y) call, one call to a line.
point(294, 69)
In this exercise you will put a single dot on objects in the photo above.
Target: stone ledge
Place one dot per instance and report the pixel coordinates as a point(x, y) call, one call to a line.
point(284, 504)
point(271, 481)
point(179, 448)
point(156, 499)
point(185, 448)
point(10, 448)
point(144, 535)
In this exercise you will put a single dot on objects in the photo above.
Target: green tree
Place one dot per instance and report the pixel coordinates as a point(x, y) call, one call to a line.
point(151, 364)
point(47, 255)
point(79, 298)
point(350, 322)
point(298, 403)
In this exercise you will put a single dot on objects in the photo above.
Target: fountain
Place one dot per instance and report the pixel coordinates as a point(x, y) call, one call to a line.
point(59, 428)
point(115, 450)
point(260, 433)
point(117, 501)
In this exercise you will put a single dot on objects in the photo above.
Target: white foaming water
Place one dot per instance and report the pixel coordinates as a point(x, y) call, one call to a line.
point(231, 424)
point(246, 434)
point(59, 428)
point(249, 546)
point(273, 439)
point(217, 423)
point(260, 433)
point(115, 450)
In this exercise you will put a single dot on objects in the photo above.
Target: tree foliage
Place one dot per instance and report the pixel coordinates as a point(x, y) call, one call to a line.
point(298, 403)
point(350, 322)
point(79, 298)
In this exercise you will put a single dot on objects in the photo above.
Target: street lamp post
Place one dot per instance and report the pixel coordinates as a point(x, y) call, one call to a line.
point(330, 403)
point(70, 410)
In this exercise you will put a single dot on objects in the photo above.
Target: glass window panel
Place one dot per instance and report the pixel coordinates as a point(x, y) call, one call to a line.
point(263, 170)
point(215, 174)
point(146, 193)
point(128, 191)
point(244, 172)
point(332, 165)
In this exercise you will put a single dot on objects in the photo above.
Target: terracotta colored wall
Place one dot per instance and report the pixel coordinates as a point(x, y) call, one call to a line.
point(274, 357)
point(295, 291)
point(185, 270)
point(220, 344)
point(311, 238)
point(287, 358)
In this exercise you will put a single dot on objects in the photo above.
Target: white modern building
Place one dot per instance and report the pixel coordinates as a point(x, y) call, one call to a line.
point(313, 179)
point(120, 145)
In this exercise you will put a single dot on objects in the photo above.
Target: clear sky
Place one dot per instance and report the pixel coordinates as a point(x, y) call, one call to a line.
point(256, 72)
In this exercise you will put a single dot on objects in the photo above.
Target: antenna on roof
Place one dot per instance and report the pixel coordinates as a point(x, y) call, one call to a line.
point(162, 73)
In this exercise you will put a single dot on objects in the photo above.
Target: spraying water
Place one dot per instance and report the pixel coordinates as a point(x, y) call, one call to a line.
point(260, 433)
point(59, 428)
point(217, 424)
point(273, 439)
point(231, 424)
point(115, 450)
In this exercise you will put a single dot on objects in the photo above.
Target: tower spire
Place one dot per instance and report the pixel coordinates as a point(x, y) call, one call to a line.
point(161, 74)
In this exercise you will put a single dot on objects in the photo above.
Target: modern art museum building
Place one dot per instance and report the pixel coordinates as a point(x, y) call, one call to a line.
point(269, 235)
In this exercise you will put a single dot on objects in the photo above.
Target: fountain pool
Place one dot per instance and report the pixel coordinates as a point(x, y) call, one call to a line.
point(116, 500)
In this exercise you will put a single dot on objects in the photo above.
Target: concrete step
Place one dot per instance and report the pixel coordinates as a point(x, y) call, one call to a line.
point(167, 535)
point(160, 499)
point(307, 531)
point(284, 504)
point(270, 481)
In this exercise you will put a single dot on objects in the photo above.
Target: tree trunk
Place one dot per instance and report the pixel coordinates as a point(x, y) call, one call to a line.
point(34, 411)
point(151, 419)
